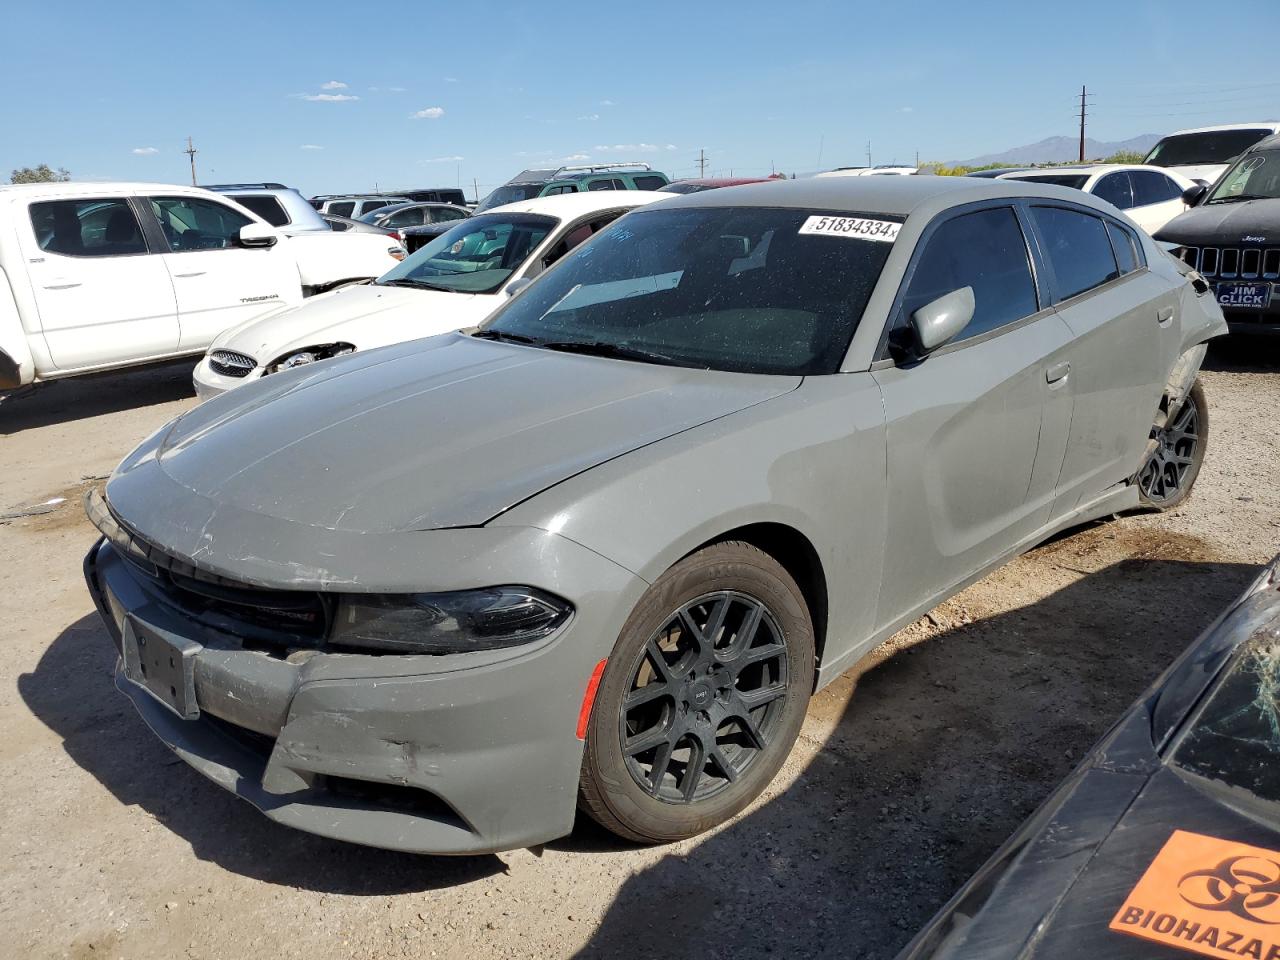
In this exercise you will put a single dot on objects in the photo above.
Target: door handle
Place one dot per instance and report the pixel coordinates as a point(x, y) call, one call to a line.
point(1058, 371)
point(192, 273)
point(61, 284)
point(1165, 316)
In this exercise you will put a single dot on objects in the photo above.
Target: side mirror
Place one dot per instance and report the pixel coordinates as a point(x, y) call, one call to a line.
point(941, 320)
point(258, 235)
point(515, 286)
point(1195, 193)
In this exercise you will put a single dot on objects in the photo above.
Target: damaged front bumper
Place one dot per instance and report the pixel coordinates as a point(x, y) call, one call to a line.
point(452, 754)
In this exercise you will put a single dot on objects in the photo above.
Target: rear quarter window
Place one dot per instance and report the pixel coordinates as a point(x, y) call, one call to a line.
point(649, 182)
point(1078, 249)
point(268, 208)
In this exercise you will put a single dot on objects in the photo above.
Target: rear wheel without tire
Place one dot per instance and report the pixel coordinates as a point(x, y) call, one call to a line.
point(702, 697)
point(1176, 453)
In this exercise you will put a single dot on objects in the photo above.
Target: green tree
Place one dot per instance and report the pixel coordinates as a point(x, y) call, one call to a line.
point(40, 174)
point(1126, 156)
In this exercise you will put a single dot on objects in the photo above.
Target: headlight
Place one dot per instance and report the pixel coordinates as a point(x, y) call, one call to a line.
point(310, 355)
point(455, 622)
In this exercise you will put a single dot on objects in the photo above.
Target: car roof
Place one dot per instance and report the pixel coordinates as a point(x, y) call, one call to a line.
point(1266, 143)
point(90, 188)
point(1273, 124)
point(894, 196)
point(1091, 170)
point(724, 181)
point(569, 205)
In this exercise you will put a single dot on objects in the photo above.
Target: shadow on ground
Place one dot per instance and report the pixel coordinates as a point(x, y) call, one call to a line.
point(78, 398)
point(1241, 353)
point(72, 692)
point(945, 749)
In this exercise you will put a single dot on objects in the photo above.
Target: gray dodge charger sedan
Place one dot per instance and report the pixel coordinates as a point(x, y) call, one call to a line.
point(599, 552)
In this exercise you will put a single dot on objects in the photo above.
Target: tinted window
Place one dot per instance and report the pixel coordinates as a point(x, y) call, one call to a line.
point(512, 193)
point(561, 188)
point(268, 208)
point(649, 182)
point(1190, 149)
point(1125, 245)
point(606, 185)
point(986, 251)
point(739, 289)
point(342, 208)
point(1074, 181)
point(1152, 187)
point(1077, 247)
point(367, 205)
point(1115, 188)
point(413, 217)
point(87, 228)
point(192, 223)
point(444, 214)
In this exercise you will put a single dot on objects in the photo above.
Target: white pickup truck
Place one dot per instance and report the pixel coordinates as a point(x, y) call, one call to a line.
point(95, 276)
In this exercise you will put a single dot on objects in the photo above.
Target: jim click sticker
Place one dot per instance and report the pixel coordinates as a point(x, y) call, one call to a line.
point(855, 228)
point(1207, 896)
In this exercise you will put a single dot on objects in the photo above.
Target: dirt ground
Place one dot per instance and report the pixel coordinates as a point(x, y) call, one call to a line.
point(903, 782)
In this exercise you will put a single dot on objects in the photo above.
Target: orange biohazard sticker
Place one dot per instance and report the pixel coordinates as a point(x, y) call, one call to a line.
point(1209, 896)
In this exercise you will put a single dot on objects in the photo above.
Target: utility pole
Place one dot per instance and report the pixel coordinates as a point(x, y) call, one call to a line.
point(702, 164)
point(475, 188)
point(1083, 93)
point(868, 153)
point(191, 154)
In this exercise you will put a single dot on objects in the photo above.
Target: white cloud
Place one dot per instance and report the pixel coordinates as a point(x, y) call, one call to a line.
point(607, 103)
point(333, 85)
point(327, 97)
point(907, 110)
point(145, 151)
point(633, 148)
point(450, 79)
point(396, 89)
point(311, 146)
point(590, 116)
point(577, 157)
point(430, 113)
point(445, 160)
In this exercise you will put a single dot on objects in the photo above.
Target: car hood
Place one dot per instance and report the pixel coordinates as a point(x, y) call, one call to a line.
point(1225, 224)
point(444, 432)
point(362, 314)
point(1208, 172)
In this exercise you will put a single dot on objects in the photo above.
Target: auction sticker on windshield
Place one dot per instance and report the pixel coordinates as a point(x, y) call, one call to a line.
point(859, 228)
point(1207, 896)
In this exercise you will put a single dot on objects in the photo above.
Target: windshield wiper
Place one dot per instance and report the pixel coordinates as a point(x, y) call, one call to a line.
point(503, 335)
point(416, 284)
point(617, 351)
point(1239, 197)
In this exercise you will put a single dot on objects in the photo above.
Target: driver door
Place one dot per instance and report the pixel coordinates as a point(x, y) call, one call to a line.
point(219, 283)
point(976, 430)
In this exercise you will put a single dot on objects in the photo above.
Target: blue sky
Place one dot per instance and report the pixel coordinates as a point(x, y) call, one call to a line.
point(336, 97)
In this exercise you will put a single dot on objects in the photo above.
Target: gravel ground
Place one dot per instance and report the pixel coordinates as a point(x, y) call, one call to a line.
point(905, 779)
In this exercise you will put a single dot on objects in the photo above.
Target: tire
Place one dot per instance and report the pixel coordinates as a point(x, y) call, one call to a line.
point(1175, 453)
point(718, 717)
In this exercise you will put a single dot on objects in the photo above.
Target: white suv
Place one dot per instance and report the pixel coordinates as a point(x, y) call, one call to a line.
point(95, 276)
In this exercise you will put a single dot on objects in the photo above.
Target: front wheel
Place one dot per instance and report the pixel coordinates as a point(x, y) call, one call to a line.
point(1175, 453)
point(702, 697)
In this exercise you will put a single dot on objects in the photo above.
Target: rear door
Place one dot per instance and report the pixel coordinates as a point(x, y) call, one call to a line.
point(1157, 199)
point(1121, 318)
point(218, 282)
point(103, 294)
point(976, 430)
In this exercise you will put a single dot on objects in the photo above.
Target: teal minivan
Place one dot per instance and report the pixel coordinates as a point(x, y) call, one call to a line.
point(547, 183)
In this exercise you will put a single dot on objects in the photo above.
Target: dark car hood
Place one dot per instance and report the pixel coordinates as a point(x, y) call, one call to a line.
point(443, 432)
point(1225, 224)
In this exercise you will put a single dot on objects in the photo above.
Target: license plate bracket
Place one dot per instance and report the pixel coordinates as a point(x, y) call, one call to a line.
point(1244, 296)
point(163, 664)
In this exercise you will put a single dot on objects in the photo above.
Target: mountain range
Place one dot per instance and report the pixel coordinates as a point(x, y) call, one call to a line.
point(1059, 149)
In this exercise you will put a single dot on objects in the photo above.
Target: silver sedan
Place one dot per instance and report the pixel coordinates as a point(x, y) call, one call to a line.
point(600, 551)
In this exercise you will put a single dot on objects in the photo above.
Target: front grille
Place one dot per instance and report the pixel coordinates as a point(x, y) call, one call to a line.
point(231, 364)
point(1230, 263)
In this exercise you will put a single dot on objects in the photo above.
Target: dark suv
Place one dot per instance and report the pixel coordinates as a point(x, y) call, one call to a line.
point(1232, 236)
point(547, 183)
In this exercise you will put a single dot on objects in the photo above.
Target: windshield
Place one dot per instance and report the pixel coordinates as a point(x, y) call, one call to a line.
point(476, 256)
point(1192, 149)
point(511, 193)
point(1254, 177)
point(1058, 179)
point(747, 289)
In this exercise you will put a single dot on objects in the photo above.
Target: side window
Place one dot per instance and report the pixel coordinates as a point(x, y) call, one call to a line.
point(367, 205)
point(87, 228)
point(986, 251)
point(268, 208)
point(561, 188)
point(1077, 246)
point(1125, 244)
point(342, 208)
point(193, 223)
point(1116, 189)
point(606, 184)
point(413, 217)
point(578, 234)
point(443, 215)
point(1152, 187)
point(649, 182)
